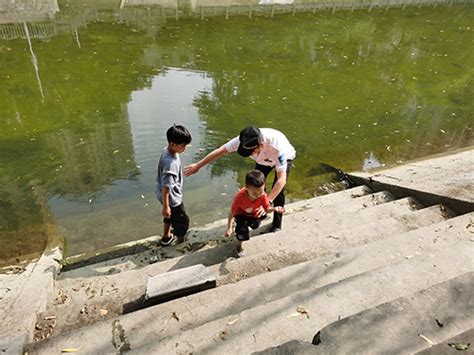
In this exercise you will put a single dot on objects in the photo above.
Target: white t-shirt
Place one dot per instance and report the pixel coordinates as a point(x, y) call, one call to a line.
point(276, 149)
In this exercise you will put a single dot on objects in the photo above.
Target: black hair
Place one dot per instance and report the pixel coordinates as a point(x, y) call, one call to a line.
point(254, 178)
point(178, 135)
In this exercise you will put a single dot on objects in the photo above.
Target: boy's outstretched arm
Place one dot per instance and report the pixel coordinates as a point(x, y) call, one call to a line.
point(230, 217)
point(214, 155)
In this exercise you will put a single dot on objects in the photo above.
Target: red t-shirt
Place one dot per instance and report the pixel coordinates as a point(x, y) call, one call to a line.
point(243, 205)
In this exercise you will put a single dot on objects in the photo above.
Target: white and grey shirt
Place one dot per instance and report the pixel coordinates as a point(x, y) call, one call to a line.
point(170, 174)
point(276, 149)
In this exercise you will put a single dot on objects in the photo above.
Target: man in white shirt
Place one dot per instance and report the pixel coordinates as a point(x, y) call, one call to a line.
point(270, 149)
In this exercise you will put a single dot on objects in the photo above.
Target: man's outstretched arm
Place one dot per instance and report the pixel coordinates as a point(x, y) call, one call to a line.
point(214, 155)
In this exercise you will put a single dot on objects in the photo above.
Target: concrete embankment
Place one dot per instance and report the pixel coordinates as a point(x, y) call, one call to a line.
point(392, 253)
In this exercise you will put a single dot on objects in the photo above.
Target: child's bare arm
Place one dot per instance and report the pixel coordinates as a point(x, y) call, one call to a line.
point(230, 217)
point(278, 209)
point(166, 212)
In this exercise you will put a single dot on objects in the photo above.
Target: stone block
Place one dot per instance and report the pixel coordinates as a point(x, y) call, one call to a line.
point(179, 283)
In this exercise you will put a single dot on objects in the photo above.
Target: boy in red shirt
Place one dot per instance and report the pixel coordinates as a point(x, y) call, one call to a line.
point(249, 208)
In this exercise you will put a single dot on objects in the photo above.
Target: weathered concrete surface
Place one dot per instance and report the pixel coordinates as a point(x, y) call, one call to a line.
point(276, 322)
point(178, 283)
point(124, 291)
point(23, 297)
point(292, 347)
point(405, 325)
point(158, 322)
point(448, 175)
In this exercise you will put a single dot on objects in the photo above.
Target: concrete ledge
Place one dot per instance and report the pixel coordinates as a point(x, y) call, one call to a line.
point(445, 179)
point(178, 283)
point(29, 293)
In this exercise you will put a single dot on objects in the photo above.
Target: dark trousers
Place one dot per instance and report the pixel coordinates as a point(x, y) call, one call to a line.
point(243, 223)
point(179, 220)
point(280, 199)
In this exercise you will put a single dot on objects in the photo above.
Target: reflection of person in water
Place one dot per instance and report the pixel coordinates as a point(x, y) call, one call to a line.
point(270, 149)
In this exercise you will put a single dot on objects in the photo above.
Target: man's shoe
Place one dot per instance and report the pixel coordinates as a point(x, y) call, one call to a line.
point(275, 229)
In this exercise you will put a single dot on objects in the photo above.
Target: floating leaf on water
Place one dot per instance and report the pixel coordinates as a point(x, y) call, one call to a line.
point(459, 346)
point(70, 350)
point(441, 325)
point(442, 131)
point(142, 196)
point(116, 151)
point(49, 317)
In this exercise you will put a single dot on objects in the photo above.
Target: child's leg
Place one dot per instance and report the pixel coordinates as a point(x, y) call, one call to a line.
point(242, 227)
point(166, 229)
point(180, 222)
point(238, 246)
point(167, 238)
point(241, 232)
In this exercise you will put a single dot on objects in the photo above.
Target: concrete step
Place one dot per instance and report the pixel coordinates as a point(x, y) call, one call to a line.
point(275, 251)
point(279, 321)
point(328, 208)
point(340, 197)
point(404, 325)
point(407, 324)
point(232, 299)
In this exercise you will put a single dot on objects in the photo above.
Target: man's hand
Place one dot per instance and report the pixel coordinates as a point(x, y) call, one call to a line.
point(228, 232)
point(280, 209)
point(166, 212)
point(191, 169)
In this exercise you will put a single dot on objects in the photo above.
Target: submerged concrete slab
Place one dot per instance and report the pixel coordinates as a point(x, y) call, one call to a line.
point(450, 176)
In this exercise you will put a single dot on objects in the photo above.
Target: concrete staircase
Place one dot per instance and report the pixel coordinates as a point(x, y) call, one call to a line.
point(353, 272)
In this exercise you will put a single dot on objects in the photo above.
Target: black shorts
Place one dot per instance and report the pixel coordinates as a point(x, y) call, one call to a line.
point(243, 223)
point(179, 220)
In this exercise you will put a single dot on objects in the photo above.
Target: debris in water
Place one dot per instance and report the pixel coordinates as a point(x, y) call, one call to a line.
point(175, 316)
point(441, 325)
point(70, 350)
point(116, 151)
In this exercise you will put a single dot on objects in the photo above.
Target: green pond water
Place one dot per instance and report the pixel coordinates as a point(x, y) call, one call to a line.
point(83, 112)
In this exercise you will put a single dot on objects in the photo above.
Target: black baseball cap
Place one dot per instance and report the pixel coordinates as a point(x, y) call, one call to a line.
point(250, 138)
